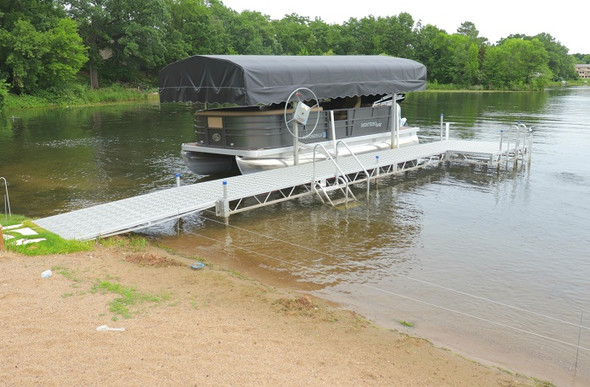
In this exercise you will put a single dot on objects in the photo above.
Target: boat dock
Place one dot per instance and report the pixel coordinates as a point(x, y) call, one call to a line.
point(326, 178)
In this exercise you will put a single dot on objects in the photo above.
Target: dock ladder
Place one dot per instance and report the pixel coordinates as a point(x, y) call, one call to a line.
point(341, 182)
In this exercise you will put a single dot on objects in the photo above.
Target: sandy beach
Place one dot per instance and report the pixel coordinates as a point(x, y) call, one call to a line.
point(167, 323)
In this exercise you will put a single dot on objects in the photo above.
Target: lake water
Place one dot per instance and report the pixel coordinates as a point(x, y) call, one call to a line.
point(492, 265)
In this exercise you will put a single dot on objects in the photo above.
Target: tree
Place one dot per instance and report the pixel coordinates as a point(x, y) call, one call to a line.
point(39, 46)
point(39, 60)
point(398, 35)
point(253, 34)
point(429, 50)
point(559, 62)
point(516, 63)
point(124, 37)
point(294, 35)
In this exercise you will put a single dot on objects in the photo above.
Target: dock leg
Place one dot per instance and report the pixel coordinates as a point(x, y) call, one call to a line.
point(222, 205)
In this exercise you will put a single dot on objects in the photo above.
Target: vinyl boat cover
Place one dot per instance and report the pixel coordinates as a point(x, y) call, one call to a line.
point(250, 80)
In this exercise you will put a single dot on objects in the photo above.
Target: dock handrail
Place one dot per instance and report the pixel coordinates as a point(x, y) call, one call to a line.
point(6, 198)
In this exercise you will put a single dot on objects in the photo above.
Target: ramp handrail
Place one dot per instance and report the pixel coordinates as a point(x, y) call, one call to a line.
point(6, 199)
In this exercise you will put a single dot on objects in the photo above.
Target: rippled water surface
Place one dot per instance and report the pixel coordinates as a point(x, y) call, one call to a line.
point(493, 265)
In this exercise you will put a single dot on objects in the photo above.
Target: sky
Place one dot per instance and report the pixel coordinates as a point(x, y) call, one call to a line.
point(567, 21)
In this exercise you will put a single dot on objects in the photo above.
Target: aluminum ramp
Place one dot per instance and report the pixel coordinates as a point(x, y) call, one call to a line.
point(146, 210)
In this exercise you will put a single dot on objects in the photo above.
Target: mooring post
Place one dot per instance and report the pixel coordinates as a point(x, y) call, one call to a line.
point(448, 126)
point(178, 179)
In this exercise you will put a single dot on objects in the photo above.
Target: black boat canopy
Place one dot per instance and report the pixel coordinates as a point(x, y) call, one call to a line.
point(250, 80)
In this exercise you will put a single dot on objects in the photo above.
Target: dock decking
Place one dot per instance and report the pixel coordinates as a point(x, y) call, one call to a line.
point(265, 188)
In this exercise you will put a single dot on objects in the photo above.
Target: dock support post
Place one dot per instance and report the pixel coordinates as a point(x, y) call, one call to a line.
point(178, 179)
point(448, 126)
point(441, 125)
point(377, 173)
point(222, 205)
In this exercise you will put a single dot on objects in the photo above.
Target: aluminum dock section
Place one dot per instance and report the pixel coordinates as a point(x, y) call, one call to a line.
point(244, 192)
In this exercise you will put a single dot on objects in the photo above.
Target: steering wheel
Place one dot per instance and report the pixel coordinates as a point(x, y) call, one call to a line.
point(296, 99)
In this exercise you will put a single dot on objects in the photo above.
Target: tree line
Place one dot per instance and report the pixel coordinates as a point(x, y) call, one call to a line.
point(48, 45)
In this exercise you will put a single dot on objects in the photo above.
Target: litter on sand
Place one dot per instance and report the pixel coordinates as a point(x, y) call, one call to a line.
point(198, 265)
point(107, 328)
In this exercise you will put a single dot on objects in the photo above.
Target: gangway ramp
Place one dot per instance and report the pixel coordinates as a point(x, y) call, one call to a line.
point(146, 210)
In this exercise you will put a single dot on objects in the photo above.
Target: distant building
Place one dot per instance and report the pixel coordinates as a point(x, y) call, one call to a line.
point(583, 70)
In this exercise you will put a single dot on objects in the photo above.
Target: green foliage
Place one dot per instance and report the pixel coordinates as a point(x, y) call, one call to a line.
point(516, 63)
point(129, 41)
point(4, 87)
point(38, 59)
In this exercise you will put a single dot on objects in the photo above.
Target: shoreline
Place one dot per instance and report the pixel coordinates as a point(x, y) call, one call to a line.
point(207, 326)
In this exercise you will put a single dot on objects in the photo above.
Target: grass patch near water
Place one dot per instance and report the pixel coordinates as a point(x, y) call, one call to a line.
point(77, 95)
point(128, 298)
point(53, 243)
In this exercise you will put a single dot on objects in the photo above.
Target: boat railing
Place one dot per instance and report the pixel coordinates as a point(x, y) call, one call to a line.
point(7, 210)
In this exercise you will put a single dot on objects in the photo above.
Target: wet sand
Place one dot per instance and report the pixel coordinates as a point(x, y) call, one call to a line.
point(201, 327)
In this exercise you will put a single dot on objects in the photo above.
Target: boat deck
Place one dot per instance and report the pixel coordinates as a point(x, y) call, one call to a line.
point(245, 192)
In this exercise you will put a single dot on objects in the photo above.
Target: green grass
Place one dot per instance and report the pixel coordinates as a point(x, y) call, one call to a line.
point(53, 244)
point(128, 298)
point(66, 273)
point(406, 323)
point(133, 242)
